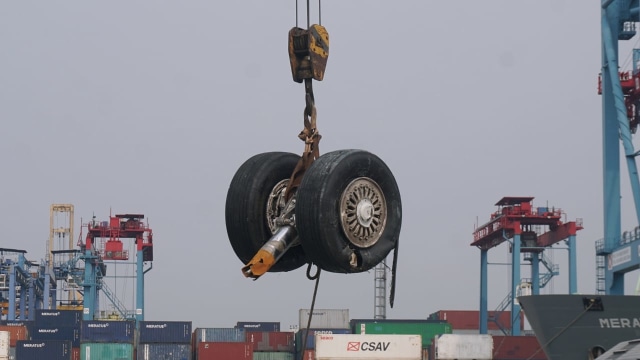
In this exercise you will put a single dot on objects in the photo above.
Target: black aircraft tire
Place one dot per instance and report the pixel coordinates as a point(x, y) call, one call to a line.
point(348, 211)
point(246, 212)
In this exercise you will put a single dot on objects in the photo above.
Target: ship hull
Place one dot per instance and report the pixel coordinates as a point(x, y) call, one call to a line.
point(573, 327)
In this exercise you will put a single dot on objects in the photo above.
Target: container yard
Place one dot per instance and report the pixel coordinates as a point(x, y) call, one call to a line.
point(79, 332)
point(368, 339)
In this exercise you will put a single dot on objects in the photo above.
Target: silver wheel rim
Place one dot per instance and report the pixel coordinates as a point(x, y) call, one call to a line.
point(363, 212)
point(275, 204)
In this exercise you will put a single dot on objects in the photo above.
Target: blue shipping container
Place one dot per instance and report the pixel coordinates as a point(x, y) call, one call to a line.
point(167, 332)
point(55, 318)
point(258, 326)
point(107, 331)
point(219, 335)
point(57, 333)
point(164, 352)
point(30, 324)
point(46, 349)
point(311, 339)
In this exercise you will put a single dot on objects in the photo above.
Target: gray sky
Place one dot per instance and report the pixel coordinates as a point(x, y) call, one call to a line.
point(151, 107)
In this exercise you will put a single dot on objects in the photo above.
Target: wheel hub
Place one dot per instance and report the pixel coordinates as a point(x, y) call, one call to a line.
point(363, 212)
point(275, 204)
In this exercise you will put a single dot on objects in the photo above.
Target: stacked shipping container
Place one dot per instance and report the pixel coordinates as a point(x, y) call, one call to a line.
point(221, 343)
point(271, 345)
point(107, 340)
point(224, 350)
point(468, 321)
point(505, 347)
point(43, 349)
point(58, 325)
point(427, 329)
point(462, 347)
point(59, 331)
point(309, 345)
point(16, 333)
point(18, 330)
point(164, 340)
point(517, 347)
point(368, 347)
point(267, 341)
point(4, 345)
point(258, 326)
point(323, 321)
point(27, 324)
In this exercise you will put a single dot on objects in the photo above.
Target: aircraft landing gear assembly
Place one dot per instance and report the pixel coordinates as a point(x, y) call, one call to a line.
point(340, 211)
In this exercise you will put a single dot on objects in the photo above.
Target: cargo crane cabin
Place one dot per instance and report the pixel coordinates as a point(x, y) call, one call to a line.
point(120, 226)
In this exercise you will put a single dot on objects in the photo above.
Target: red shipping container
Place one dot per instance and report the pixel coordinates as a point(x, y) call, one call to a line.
point(75, 353)
point(309, 355)
point(470, 319)
point(270, 340)
point(15, 333)
point(517, 347)
point(224, 350)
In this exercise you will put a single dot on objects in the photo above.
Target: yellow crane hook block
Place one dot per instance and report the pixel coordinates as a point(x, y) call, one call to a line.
point(308, 52)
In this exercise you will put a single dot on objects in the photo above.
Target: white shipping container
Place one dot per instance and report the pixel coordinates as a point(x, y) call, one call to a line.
point(324, 319)
point(368, 347)
point(463, 347)
point(4, 344)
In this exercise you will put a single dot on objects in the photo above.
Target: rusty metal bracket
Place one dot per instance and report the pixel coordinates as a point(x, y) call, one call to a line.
point(308, 53)
point(311, 138)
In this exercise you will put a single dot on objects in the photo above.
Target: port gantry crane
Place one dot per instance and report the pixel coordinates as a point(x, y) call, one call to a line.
point(618, 252)
point(24, 285)
point(103, 244)
point(516, 221)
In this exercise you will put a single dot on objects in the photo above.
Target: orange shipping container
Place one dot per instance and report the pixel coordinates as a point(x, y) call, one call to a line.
point(75, 353)
point(15, 333)
point(470, 319)
point(224, 350)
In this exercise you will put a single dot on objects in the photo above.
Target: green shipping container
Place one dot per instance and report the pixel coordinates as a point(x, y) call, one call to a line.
point(106, 351)
point(428, 329)
point(269, 355)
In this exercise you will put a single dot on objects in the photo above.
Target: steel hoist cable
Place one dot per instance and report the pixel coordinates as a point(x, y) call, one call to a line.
point(308, 53)
point(308, 13)
point(315, 277)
